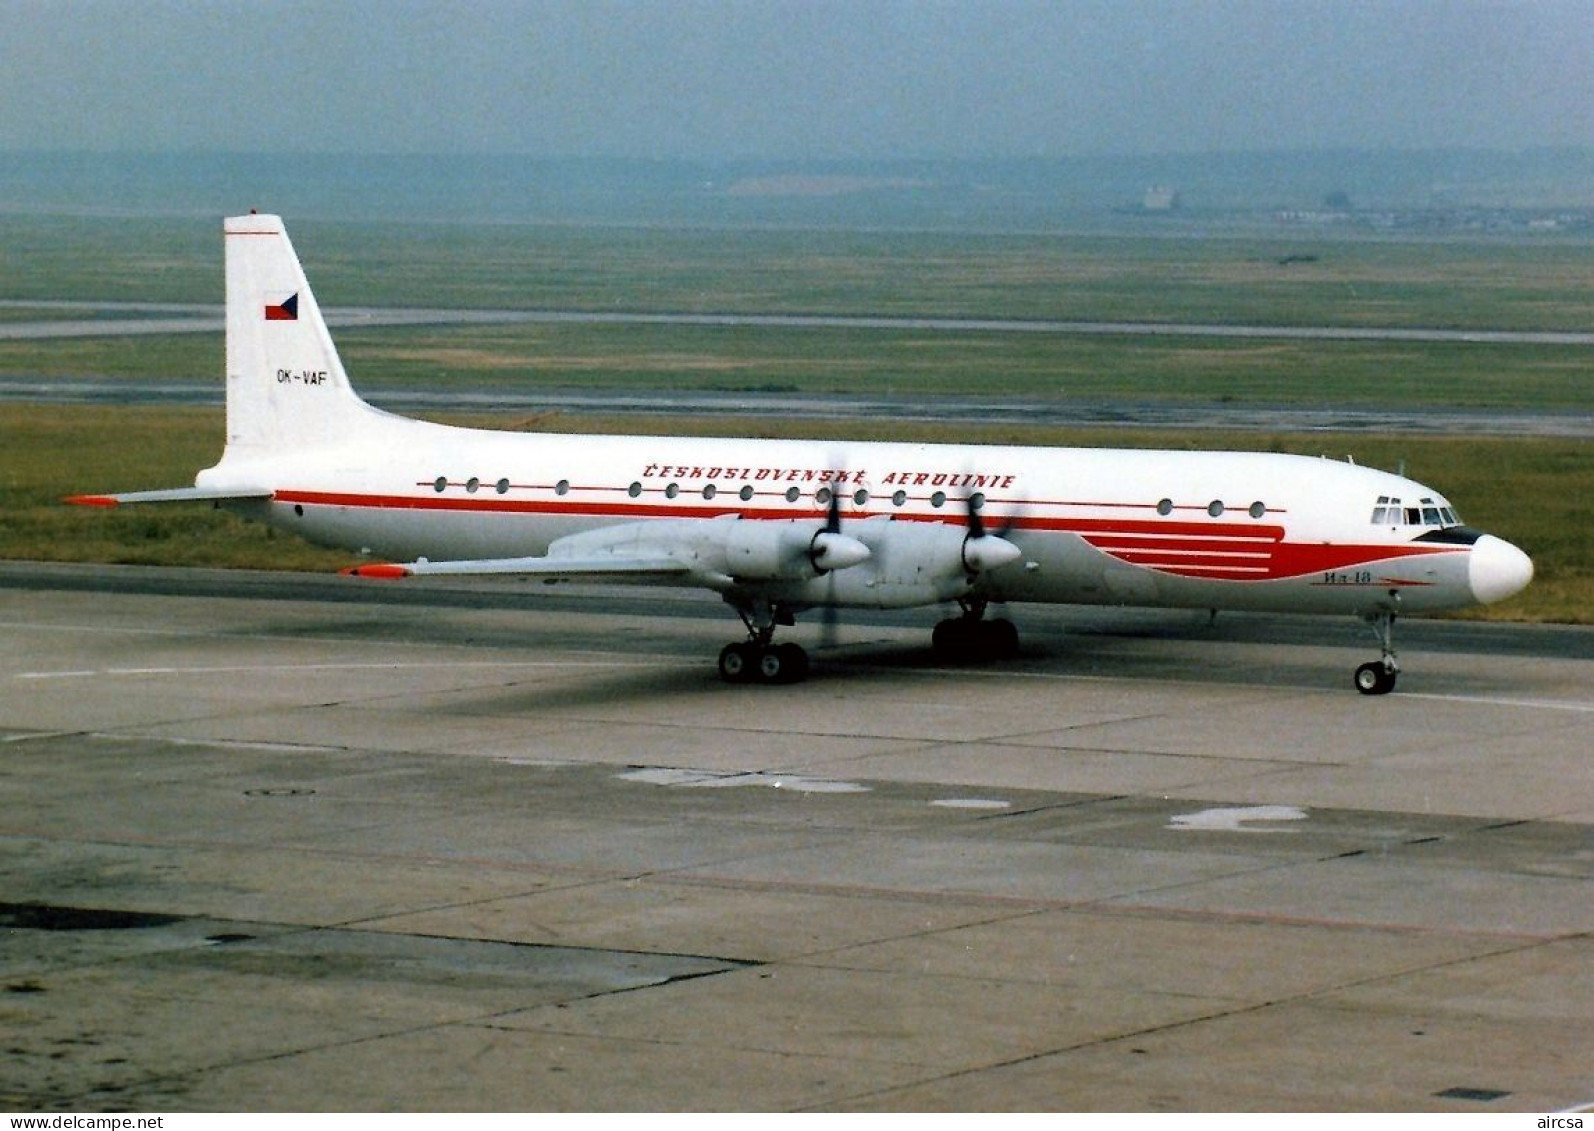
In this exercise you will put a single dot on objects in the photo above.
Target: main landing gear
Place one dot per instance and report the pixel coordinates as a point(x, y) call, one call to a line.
point(972, 637)
point(1378, 677)
point(759, 659)
point(753, 662)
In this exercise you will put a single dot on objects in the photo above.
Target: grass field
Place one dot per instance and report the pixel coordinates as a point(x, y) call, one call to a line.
point(831, 360)
point(1286, 277)
point(1534, 492)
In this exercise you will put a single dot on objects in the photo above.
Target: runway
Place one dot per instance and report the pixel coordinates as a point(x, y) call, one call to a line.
point(302, 843)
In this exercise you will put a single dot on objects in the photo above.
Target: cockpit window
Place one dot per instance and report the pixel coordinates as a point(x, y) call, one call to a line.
point(1391, 511)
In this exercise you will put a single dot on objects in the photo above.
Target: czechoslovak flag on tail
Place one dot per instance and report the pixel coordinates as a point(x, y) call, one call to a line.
point(285, 311)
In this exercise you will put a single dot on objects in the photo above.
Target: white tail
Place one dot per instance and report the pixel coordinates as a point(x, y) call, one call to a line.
point(286, 388)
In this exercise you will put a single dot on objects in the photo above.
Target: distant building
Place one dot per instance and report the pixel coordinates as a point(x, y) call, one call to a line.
point(1160, 198)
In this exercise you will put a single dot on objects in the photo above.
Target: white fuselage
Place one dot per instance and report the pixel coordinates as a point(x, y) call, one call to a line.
point(1096, 526)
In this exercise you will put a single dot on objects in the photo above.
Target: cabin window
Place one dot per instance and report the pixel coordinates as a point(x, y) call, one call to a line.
point(672, 490)
point(473, 485)
point(899, 498)
point(860, 497)
point(792, 494)
point(635, 490)
point(746, 493)
point(822, 496)
point(441, 484)
point(938, 499)
point(1215, 508)
point(977, 501)
point(562, 487)
point(709, 490)
point(1258, 509)
point(1165, 507)
point(502, 486)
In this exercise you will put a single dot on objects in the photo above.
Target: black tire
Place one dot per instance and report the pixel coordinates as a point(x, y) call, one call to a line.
point(1375, 678)
point(951, 639)
point(769, 665)
point(736, 663)
point(793, 663)
point(999, 639)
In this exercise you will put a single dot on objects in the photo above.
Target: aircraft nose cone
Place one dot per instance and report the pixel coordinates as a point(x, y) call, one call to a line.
point(1497, 570)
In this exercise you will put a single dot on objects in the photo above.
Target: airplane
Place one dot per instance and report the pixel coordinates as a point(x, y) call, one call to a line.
point(782, 527)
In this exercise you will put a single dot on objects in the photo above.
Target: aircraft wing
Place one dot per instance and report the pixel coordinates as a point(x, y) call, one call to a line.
point(172, 495)
point(713, 552)
point(595, 568)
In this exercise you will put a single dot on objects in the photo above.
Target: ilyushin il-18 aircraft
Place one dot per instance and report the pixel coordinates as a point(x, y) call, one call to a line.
point(781, 527)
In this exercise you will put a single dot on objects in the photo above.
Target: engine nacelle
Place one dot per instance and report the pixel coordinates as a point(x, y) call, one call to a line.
point(769, 551)
point(912, 564)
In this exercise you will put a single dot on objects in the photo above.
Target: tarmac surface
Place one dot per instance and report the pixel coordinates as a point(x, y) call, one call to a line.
point(299, 843)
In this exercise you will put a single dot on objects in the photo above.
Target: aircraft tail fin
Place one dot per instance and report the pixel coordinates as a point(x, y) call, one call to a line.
point(286, 387)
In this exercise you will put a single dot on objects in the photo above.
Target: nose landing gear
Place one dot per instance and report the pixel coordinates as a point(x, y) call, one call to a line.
point(1378, 676)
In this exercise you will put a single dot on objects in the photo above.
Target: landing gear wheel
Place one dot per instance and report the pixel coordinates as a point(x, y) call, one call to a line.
point(763, 663)
point(789, 665)
point(965, 638)
point(1378, 677)
point(737, 663)
point(998, 639)
point(950, 638)
point(1375, 678)
point(772, 664)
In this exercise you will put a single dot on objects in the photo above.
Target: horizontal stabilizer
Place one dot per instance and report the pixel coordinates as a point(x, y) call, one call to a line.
point(172, 495)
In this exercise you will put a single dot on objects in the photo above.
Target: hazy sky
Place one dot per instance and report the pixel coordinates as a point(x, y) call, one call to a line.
point(811, 79)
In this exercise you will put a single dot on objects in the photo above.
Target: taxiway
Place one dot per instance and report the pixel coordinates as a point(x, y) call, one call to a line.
point(292, 843)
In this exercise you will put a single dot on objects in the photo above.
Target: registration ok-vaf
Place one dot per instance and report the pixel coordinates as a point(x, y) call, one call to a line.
point(778, 528)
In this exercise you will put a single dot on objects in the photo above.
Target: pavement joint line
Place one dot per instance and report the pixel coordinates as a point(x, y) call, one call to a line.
point(1213, 1016)
point(260, 669)
point(1503, 701)
point(481, 1021)
point(45, 734)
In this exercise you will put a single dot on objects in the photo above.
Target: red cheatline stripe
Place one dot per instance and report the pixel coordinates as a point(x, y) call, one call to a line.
point(1220, 572)
point(1173, 556)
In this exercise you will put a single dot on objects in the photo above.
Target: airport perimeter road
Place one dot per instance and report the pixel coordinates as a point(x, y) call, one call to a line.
point(288, 843)
point(100, 319)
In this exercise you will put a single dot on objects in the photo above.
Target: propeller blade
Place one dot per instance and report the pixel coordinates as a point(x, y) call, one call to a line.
point(829, 626)
point(975, 522)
